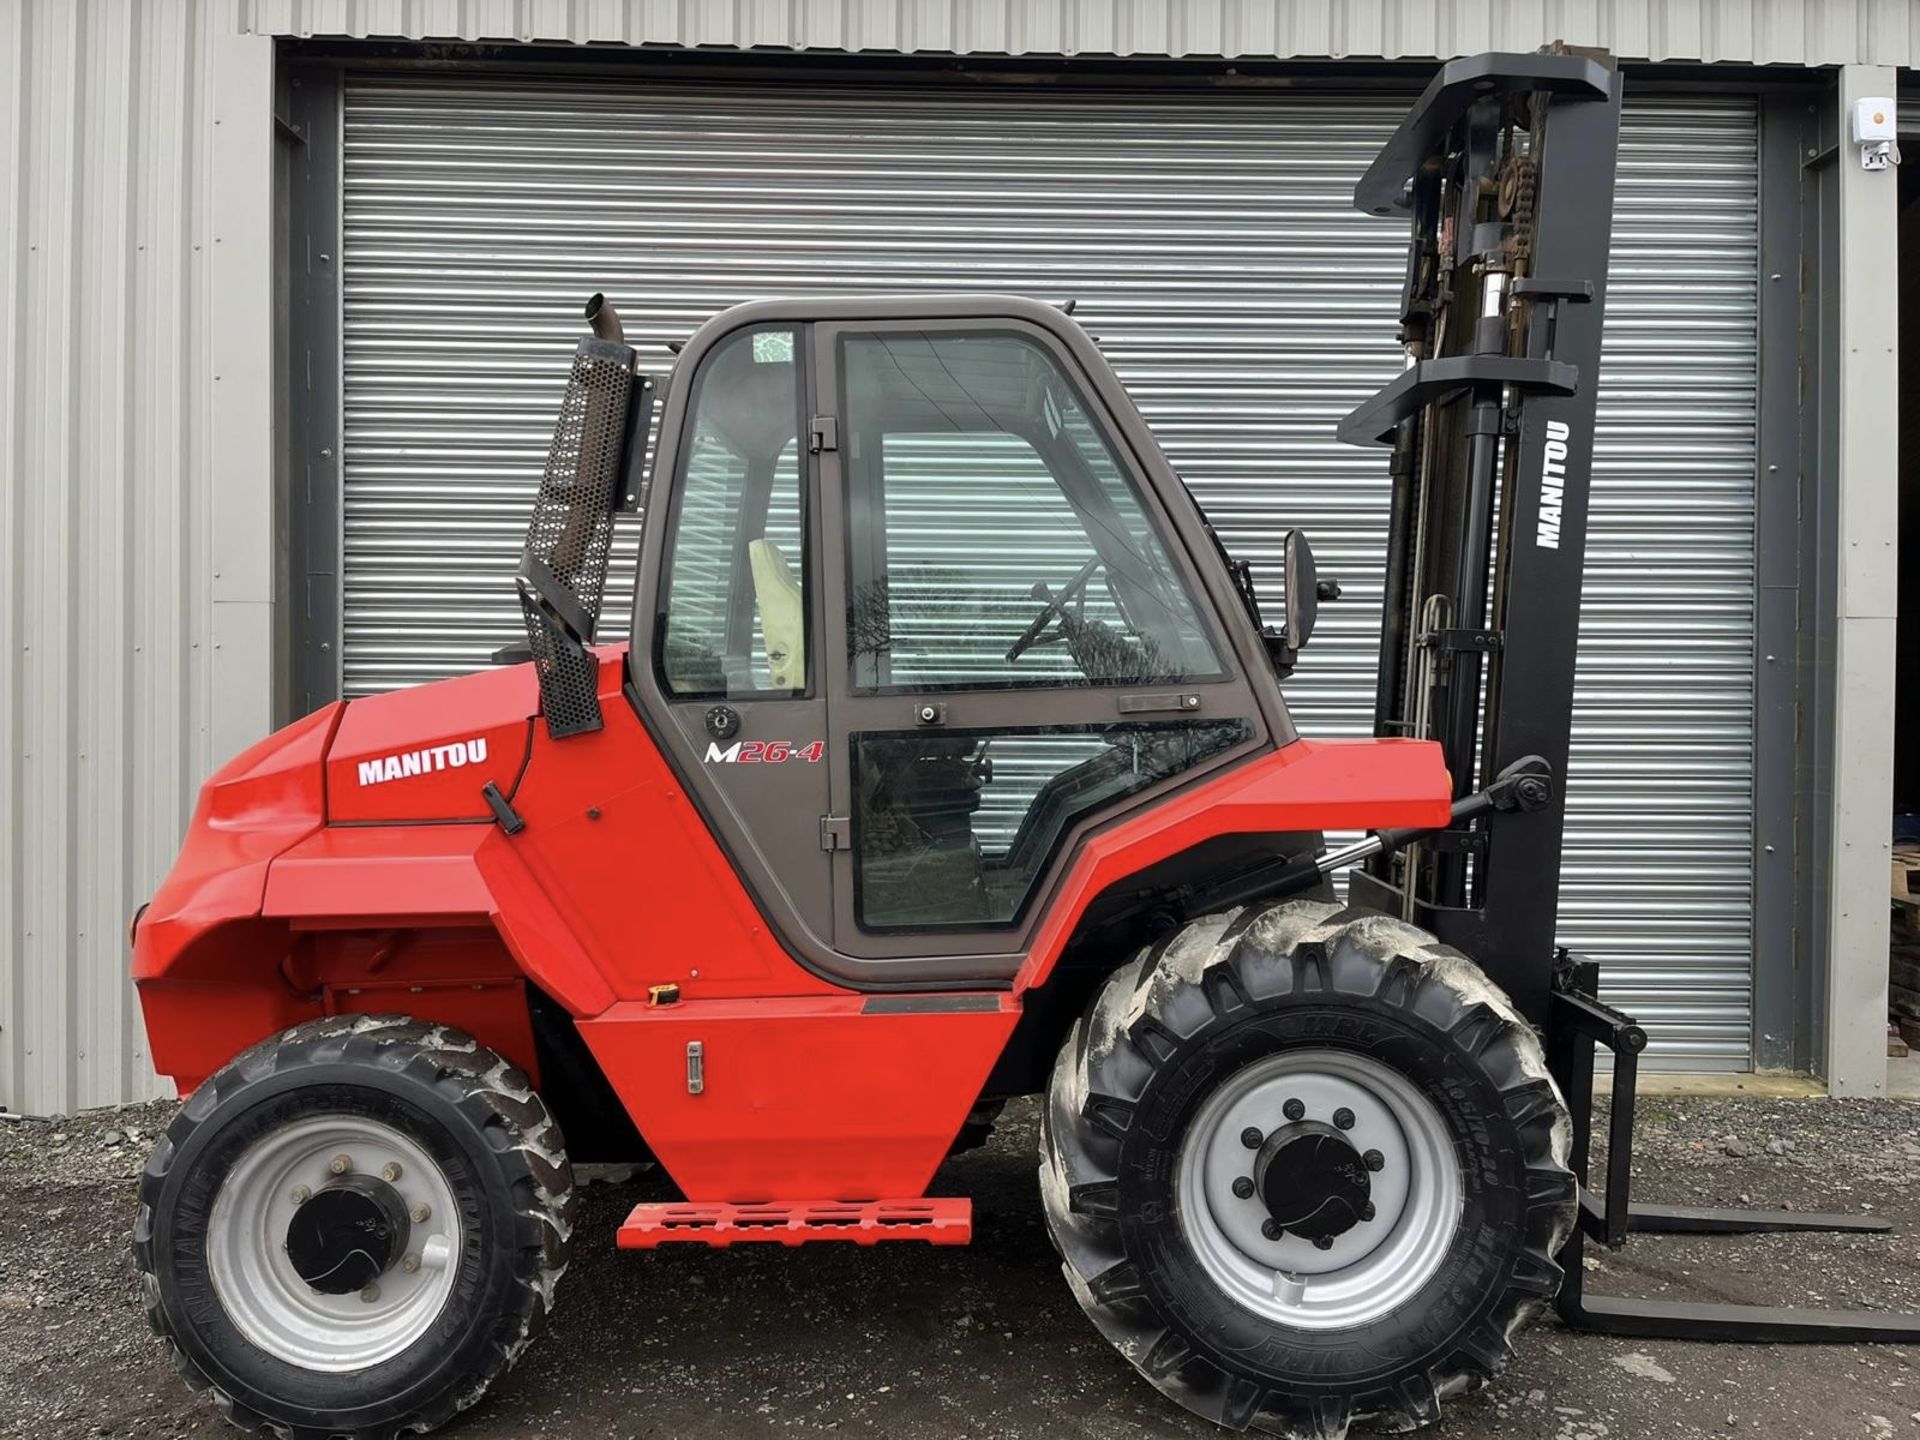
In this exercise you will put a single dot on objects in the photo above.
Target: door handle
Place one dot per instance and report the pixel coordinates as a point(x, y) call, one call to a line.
point(1182, 702)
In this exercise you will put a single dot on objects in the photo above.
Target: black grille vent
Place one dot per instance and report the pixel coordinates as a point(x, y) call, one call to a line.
point(563, 573)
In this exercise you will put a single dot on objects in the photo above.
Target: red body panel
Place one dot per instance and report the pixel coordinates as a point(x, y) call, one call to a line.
point(1308, 785)
point(802, 1099)
point(201, 934)
point(612, 837)
point(381, 873)
point(356, 877)
point(256, 805)
point(613, 886)
point(425, 753)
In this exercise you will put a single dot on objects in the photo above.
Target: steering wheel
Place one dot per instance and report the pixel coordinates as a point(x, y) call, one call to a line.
point(1053, 606)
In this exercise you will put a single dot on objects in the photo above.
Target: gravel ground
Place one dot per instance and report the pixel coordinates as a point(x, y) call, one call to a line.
point(906, 1341)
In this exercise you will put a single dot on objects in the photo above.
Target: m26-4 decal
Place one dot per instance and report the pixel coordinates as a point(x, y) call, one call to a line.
point(764, 752)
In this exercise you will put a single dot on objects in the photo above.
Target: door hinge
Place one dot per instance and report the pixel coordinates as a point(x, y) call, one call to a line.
point(833, 832)
point(823, 434)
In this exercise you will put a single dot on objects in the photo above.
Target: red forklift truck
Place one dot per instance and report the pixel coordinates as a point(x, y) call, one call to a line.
point(858, 836)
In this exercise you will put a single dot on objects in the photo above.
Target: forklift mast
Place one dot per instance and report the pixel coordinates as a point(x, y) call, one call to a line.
point(1506, 169)
point(1505, 166)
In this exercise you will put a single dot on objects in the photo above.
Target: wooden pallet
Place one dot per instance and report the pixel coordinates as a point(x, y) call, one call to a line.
point(1904, 888)
point(1903, 950)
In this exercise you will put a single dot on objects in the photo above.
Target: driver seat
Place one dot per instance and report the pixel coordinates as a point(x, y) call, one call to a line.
point(783, 615)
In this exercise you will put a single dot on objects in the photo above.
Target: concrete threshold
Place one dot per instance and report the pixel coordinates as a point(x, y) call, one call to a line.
point(1724, 1084)
point(1903, 1083)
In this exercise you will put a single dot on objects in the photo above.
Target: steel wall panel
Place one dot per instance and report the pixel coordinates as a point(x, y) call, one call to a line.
point(1754, 32)
point(108, 707)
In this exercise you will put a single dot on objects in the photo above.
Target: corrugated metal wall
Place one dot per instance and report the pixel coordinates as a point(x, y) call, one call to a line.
point(1760, 32)
point(115, 692)
point(1211, 245)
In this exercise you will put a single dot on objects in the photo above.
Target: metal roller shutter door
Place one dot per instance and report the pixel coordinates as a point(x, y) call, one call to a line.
point(1211, 247)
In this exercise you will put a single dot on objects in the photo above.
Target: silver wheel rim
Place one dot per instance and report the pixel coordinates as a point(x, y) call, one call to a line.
point(1372, 1269)
point(265, 1298)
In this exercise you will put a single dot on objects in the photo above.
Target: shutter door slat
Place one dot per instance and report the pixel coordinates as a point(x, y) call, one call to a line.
point(1211, 246)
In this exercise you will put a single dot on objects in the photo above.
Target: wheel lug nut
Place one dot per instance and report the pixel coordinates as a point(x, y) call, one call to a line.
point(1251, 1138)
point(1375, 1160)
point(340, 1164)
point(1367, 1211)
point(1294, 1110)
point(1343, 1118)
point(1270, 1229)
point(1324, 1242)
point(300, 1194)
point(419, 1214)
point(370, 1294)
point(412, 1262)
point(1242, 1186)
point(390, 1171)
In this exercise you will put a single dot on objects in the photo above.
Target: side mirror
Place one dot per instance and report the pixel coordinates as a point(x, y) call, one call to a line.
point(1302, 596)
point(1302, 590)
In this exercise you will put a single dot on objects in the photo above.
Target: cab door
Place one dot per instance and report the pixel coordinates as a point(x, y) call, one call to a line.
point(1015, 656)
point(734, 668)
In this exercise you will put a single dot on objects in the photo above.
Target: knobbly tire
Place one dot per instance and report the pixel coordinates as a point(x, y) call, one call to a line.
point(447, 1119)
point(1314, 1003)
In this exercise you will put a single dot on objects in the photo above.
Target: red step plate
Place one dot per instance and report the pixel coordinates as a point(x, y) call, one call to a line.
point(800, 1222)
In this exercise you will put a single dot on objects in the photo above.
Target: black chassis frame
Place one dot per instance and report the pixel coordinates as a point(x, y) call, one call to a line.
point(1492, 423)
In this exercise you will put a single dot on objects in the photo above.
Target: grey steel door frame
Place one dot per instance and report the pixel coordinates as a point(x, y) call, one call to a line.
point(1307, 83)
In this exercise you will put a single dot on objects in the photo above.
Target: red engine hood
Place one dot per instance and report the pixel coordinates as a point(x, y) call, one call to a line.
point(259, 803)
point(426, 753)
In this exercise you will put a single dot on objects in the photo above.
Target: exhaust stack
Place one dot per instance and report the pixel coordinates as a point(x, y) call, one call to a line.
point(598, 442)
point(605, 320)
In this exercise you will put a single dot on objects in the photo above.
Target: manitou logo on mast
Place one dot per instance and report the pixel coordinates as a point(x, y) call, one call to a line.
point(422, 762)
point(1553, 484)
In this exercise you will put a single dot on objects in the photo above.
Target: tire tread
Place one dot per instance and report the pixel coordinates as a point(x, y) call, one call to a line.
point(493, 1095)
point(1213, 973)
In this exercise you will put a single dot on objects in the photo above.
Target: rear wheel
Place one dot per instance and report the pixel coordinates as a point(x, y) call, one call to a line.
point(354, 1228)
point(1305, 1166)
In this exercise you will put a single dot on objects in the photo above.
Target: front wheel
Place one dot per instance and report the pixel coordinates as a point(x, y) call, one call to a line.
point(354, 1228)
point(1306, 1166)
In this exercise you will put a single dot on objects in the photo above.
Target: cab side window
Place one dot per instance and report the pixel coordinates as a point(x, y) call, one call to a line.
point(734, 600)
point(994, 536)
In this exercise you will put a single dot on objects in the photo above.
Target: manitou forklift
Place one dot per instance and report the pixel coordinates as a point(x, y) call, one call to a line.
point(947, 762)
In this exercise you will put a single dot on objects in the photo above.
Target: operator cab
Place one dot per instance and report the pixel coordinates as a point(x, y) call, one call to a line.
point(917, 575)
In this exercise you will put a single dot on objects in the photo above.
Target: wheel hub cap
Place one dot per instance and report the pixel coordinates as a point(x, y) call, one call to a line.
point(344, 1237)
point(1318, 1188)
point(1313, 1183)
point(334, 1242)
